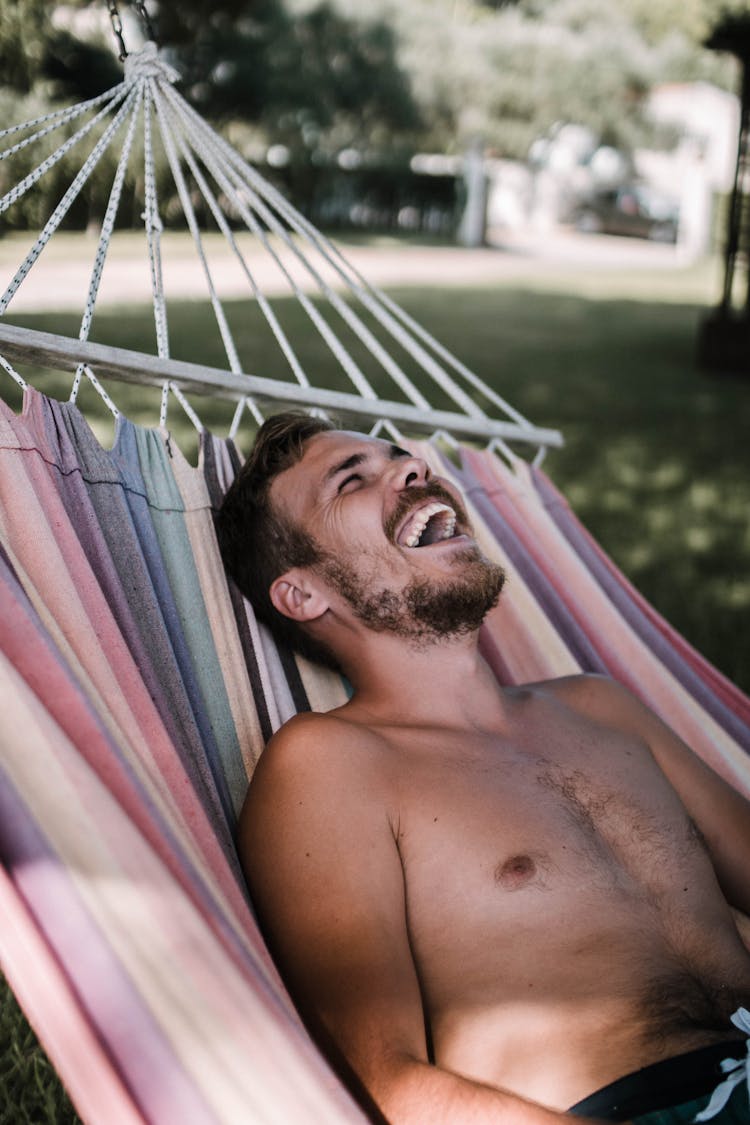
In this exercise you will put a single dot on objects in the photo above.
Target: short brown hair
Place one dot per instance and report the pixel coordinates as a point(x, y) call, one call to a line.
point(257, 543)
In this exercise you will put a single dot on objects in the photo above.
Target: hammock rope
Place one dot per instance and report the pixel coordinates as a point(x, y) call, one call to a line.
point(228, 185)
point(368, 296)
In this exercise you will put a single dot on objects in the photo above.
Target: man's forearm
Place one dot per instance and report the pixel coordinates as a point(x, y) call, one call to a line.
point(413, 1092)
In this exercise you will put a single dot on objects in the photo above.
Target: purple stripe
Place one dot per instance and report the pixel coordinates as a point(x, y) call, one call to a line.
point(617, 593)
point(580, 645)
point(120, 1019)
point(46, 674)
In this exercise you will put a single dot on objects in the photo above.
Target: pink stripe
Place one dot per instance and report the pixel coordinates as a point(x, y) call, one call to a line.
point(29, 652)
point(40, 534)
point(55, 1013)
point(626, 657)
point(125, 1028)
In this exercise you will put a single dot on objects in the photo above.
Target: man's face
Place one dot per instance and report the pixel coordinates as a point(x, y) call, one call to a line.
point(395, 542)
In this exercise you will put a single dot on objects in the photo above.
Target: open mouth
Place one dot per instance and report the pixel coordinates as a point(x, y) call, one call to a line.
point(433, 523)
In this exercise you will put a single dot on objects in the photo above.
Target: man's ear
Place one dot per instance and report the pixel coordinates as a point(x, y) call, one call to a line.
point(297, 596)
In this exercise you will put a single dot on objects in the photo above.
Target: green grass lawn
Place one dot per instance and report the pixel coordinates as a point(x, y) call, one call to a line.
point(656, 461)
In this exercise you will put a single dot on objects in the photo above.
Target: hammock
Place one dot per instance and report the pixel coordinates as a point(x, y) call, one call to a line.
point(137, 688)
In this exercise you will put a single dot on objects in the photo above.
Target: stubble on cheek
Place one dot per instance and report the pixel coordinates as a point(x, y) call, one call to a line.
point(423, 611)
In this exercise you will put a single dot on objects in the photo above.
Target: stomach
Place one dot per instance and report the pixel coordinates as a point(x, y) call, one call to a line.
point(588, 1004)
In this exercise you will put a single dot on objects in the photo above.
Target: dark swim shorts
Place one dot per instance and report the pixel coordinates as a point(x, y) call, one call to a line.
point(673, 1091)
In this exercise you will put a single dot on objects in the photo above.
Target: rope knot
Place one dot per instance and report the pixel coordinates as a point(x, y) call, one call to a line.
point(147, 64)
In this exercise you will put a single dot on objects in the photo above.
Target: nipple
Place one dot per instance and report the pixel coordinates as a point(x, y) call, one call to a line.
point(515, 872)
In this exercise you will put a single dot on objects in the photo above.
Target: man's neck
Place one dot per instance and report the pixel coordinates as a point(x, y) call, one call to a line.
point(446, 683)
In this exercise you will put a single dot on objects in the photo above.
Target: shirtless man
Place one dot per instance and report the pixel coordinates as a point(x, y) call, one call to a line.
point(493, 901)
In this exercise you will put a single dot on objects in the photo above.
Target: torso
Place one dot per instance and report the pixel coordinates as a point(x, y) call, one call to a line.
point(563, 913)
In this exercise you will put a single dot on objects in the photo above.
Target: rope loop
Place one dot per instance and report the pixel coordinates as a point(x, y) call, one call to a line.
point(84, 369)
point(165, 390)
point(245, 403)
point(385, 425)
point(146, 63)
point(497, 445)
point(443, 435)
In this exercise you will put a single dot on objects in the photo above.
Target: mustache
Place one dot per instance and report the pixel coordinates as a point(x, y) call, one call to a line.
point(418, 494)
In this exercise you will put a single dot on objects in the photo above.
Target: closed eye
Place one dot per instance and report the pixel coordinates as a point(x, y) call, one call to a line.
point(348, 480)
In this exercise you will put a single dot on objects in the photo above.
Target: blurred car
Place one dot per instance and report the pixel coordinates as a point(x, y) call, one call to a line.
point(634, 210)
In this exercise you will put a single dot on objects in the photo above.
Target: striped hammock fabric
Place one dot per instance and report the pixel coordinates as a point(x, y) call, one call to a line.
point(137, 691)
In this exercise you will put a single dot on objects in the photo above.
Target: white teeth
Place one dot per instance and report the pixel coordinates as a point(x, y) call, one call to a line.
point(422, 518)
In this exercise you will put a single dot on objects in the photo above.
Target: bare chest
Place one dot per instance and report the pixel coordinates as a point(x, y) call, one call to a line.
point(492, 837)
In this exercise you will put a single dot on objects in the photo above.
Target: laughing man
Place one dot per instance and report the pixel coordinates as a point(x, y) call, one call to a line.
point(494, 904)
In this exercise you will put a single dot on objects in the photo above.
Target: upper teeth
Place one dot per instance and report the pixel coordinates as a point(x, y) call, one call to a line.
point(421, 518)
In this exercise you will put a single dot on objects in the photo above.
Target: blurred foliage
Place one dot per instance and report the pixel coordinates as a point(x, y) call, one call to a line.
point(323, 79)
point(321, 73)
point(513, 74)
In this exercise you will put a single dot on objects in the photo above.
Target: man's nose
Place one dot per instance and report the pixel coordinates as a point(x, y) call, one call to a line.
point(410, 471)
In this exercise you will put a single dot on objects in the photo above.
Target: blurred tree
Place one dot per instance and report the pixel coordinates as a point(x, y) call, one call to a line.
point(36, 52)
point(24, 31)
point(317, 80)
point(511, 73)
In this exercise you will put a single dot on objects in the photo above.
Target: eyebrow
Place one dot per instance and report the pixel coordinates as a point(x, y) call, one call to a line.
point(394, 452)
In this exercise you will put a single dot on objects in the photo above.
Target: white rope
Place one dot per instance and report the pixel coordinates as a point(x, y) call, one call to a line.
point(238, 192)
point(84, 369)
point(394, 319)
point(13, 373)
point(154, 228)
point(147, 63)
point(245, 403)
point(444, 436)
point(187, 207)
point(452, 360)
point(385, 424)
point(190, 146)
point(375, 303)
point(226, 230)
point(497, 445)
point(365, 290)
point(57, 116)
point(62, 208)
point(175, 390)
point(372, 298)
point(347, 313)
point(109, 221)
point(21, 188)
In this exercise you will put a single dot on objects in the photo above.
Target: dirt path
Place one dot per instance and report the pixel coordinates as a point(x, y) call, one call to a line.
point(60, 278)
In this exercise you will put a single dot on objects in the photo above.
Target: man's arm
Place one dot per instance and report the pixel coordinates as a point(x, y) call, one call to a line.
point(325, 873)
point(719, 811)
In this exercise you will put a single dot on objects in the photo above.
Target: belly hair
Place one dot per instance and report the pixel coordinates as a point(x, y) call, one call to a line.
point(680, 999)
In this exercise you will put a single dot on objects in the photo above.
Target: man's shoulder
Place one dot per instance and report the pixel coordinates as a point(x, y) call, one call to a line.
point(318, 770)
point(313, 750)
point(592, 695)
point(327, 734)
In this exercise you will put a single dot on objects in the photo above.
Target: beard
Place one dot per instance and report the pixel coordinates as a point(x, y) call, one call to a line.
point(424, 611)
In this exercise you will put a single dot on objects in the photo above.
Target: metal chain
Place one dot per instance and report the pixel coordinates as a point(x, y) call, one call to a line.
point(116, 21)
point(140, 8)
point(114, 16)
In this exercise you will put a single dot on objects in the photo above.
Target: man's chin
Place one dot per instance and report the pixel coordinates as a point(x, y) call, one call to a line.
point(427, 611)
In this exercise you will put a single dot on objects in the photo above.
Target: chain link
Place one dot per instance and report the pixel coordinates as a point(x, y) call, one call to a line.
point(114, 16)
point(116, 21)
point(140, 8)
